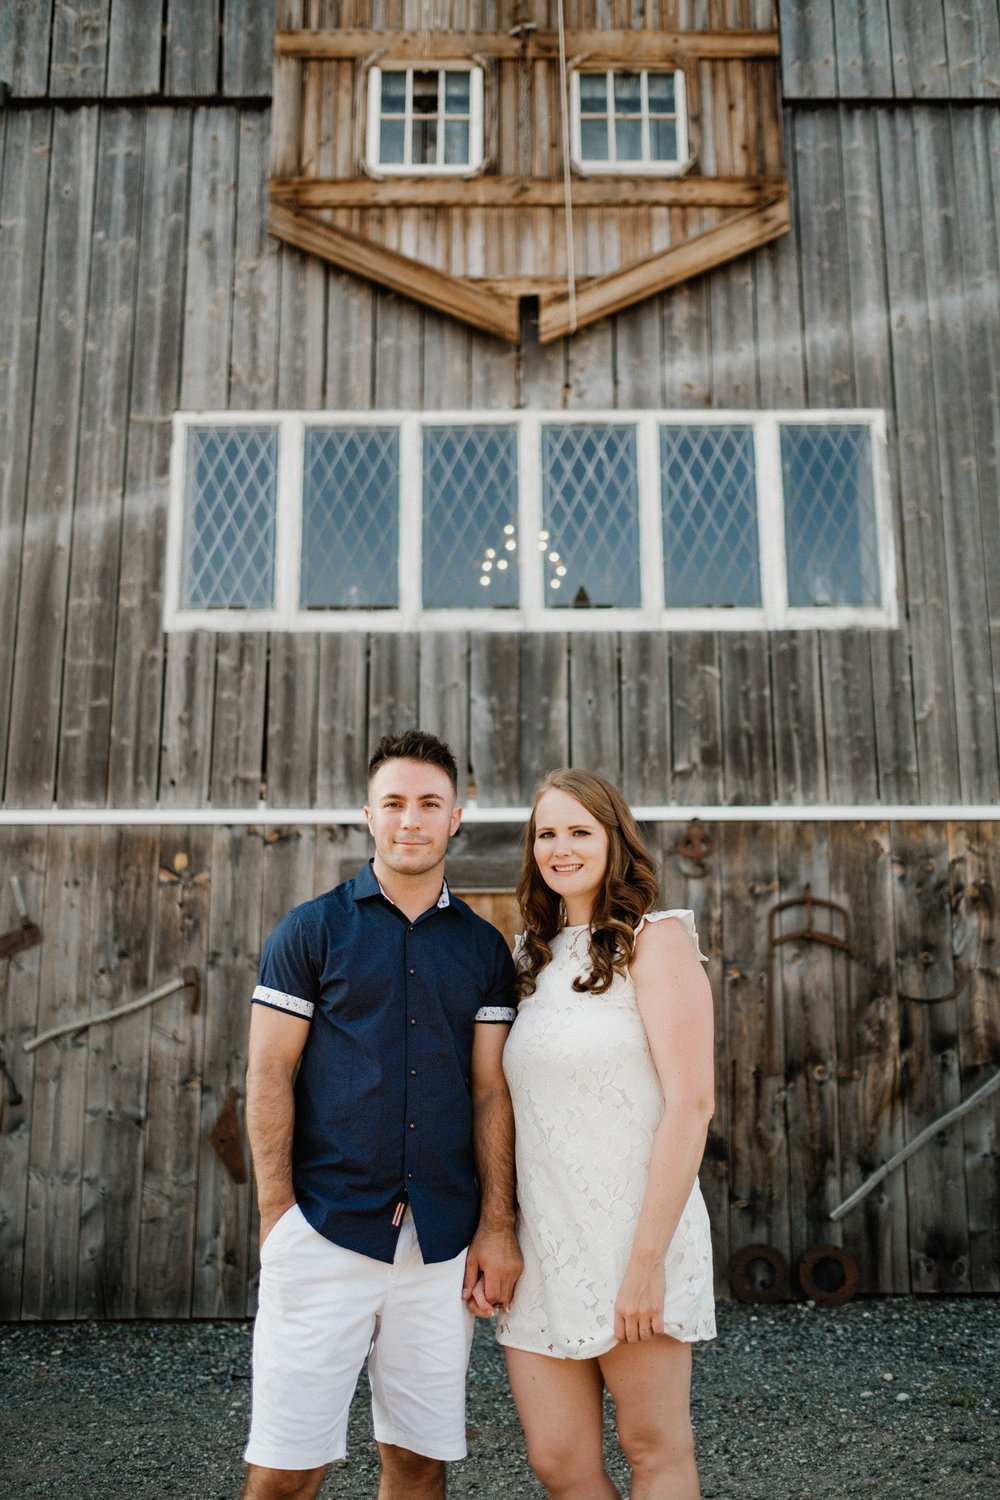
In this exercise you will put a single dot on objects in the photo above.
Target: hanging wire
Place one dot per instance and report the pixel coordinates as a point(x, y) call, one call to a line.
point(567, 179)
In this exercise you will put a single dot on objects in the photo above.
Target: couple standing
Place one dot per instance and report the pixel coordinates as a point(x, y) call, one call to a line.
point(381, 1109)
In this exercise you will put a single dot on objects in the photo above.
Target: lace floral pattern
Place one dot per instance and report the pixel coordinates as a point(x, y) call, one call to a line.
point(587, 1102)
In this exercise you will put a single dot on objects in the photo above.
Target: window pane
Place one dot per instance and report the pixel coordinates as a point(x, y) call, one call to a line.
point(661, 93)
point(456, 93)
point(663, 140)
point(590, 508)
point(710, 545)
point(628, 140)
point(456, 142)
point(830, 537)
point(628, 94)
point(229, 506)
point(350, 518)
point(594, 140)
point(470, 518)
point(425, 93)
point(393, 93)
point(424, 142)
point(593, 94)
point(392, 142)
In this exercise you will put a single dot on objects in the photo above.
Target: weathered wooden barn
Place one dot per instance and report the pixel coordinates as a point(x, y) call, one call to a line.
point(605, 381)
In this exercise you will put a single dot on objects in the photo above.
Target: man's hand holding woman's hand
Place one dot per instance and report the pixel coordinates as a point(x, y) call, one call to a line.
point(492, 1267)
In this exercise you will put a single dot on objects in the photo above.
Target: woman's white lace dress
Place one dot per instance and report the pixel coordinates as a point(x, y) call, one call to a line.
point(587, 1101)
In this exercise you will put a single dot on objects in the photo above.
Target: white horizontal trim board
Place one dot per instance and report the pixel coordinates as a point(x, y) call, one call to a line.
point(284, 612)
point(283, 817)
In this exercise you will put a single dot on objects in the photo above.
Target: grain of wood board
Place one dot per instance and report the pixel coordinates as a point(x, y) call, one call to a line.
point(600, 46)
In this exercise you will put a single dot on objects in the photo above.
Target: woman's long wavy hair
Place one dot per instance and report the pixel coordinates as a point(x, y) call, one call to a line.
point(630, 888)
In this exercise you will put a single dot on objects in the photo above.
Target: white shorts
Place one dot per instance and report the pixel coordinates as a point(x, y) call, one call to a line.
point(322, 1310)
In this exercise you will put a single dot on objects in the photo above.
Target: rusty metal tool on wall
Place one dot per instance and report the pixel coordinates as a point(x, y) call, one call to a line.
point(27, 935)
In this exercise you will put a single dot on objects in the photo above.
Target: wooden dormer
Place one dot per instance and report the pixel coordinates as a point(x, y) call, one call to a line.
point(432, 161)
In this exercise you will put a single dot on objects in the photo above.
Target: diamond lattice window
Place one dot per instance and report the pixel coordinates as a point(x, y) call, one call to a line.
point(711, 553)
point(231, 477)
point(350, 518)
point(470, 515)
point(590, 517)
point(830, 527)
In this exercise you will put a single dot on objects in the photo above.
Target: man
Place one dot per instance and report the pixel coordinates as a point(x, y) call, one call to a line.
point(386, 1155)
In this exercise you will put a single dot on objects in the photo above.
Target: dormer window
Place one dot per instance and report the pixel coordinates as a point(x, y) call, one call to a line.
point(629, 122)
point(425, 121)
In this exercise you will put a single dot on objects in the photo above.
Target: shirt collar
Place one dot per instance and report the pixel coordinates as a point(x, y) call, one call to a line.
point(367, 884)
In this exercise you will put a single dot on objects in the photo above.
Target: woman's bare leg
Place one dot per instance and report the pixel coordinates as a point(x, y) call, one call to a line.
point(650, 1383)
point(559, 1403)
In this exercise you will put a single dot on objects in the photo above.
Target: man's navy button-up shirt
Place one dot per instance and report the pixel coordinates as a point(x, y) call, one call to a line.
point(382, 1096)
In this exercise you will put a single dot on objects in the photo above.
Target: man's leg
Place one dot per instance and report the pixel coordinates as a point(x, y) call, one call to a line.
point(409, 1476)
point(317, 1313)
point(281, 1484)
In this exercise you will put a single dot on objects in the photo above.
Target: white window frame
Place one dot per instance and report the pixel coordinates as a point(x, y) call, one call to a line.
point(775, 613)
point(424, 169)
point(590, 167)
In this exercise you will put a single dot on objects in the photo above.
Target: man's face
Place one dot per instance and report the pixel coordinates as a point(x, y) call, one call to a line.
point(411, 813)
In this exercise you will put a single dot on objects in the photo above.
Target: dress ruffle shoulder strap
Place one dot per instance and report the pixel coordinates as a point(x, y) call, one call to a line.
point(686, 919)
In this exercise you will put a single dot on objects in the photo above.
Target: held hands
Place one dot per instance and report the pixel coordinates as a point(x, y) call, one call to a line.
point(492, 1267)
point(639, 1304)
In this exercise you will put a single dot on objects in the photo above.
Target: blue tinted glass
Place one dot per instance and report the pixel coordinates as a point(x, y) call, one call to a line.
point(456, 142)
point(392, 142)
point(830, 533)
point(661, 93)
point(350, 518)
point(590, 507)
point(628, 140)
point(628, 94)
point(594, 140)
point(393, 93)
point(710, 543)
point(470, 545)
point(456, 93)
point(662, 140)
point(229, 507)
point(593, 93)
point(424, 144)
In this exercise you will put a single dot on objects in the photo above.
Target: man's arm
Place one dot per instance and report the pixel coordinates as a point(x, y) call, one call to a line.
point(276, 1043)
point(494, 1260)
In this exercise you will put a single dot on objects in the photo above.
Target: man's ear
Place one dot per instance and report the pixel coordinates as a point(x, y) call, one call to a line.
point(368, 818)
point(456, 818)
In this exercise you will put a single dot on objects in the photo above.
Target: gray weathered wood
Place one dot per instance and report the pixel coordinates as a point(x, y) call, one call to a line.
point(292, 691)
point(133, 768)
point(247, 47)
point(117, 1074)
point(135, 44)
point(58, 1098)
point(172, 1135)
point(645, 717)
point(696, 714)
point(972, 35)
point(25, 31)
point(747, 733)
point(22, 853)
point(864, 50)
point(443, 709)
point(808, 49)
point(192, 47)
point(341, 716)
point(240, 695)
point(494, 713)
point(819, 189)
point(871, 1112)
point(223, 1212)
point(594, 703)
point(919, 48)
point(78, 62)
point(91, 624)
point(26, 138)
point(849, 716)
point(393, 685)
point(544, 737)
point(41, 613)
point(798, 721)
point(935, 1179)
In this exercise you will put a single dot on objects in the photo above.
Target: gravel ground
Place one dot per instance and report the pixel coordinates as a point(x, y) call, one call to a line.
point(892, 1398)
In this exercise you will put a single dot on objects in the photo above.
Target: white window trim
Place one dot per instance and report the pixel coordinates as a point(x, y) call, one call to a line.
point(373, 159)
point(589, 167)
point(532, 614)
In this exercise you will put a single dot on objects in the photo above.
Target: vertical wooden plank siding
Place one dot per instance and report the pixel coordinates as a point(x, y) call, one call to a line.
point(864, 50)
point(446, 678)
point(174, 1120)
point(88, 654)
point(23, 854)
point(248, 47)
point(117, 1078)
point(919, 48)
point(594, 703)
point(342, 717)
point(192, 47)
point(135, 44)
point(798, 717)
point(25, 37)
point(974, 862)
point(746, 718)
point(696, 710)
point(645, 717)
point(79, 49)
point(26, 138)
point(543, 742)
point(808, 49)
point(133, 767)
point(58, 1098)
point(935, 1177)
point(41, 617)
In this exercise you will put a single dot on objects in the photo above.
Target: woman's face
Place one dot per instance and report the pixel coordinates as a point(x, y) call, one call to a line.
point(571, 852)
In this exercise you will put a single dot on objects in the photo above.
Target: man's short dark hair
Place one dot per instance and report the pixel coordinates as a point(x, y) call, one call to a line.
point(414, 744)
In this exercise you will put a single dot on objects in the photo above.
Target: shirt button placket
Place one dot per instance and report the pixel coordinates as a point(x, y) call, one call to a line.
point(410, 1142)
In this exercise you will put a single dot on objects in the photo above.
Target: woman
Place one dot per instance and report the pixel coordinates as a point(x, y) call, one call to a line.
point(610, 1066)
